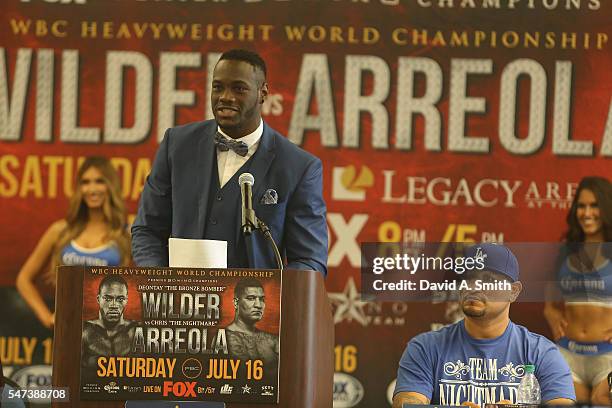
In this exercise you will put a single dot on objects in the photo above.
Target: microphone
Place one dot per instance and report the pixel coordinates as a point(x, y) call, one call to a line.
point(249, 220)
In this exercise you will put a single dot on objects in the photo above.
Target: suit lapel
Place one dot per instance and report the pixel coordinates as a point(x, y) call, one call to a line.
point(206, 152)
point(262, 160)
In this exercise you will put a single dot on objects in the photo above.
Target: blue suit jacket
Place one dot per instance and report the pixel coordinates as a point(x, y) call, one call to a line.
point(175, 199)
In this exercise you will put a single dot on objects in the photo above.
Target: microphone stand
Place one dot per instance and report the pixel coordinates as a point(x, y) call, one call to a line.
point(265, 230)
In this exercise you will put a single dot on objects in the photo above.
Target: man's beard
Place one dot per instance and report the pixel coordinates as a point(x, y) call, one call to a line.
point(473, 313)
point(470, 310)
point(111, 322)
point(244, 116)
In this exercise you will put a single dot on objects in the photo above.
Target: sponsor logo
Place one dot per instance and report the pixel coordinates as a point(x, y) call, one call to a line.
point(348, 307)
point(486, 192)
point(568, 283)
point(226, 389)
point(206, 390)
point(348, 391)
point(348, 304)
point(91, 388)
point(179, 389)
point(111, 387)
point(33, 376)
point(267, 390)
point(192, 368)
point(582, 348)
point(346, 242)
point(349, 185)
point(130, 388)
point(246, 389)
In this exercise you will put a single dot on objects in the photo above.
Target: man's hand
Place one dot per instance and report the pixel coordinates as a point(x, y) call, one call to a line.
point(556, 321)
point(48, 321)
point(414, 398)
point(609, 336)
point(560, 401)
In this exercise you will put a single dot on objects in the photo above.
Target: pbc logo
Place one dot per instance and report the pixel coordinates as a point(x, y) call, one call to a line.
point(179, 389)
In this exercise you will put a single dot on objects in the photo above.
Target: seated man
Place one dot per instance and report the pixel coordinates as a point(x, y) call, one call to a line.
point(7, 399)
point(481, 359)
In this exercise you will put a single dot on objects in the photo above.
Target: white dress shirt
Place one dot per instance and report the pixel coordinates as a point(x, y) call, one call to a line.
point(229, 162)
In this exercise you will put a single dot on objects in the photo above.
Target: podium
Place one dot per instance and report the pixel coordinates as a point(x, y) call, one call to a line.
point(306, 338)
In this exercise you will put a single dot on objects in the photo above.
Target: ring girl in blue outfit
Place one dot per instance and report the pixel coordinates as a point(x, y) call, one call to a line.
point(92, 233)
point(582, 323)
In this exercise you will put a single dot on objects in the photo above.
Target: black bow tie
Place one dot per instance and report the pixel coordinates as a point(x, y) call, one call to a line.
point(224, 144)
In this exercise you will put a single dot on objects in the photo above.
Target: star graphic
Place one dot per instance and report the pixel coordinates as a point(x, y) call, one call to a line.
point(348, 304)
point(246, 389)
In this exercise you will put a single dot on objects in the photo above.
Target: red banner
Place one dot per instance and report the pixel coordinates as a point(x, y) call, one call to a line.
point(436, 120)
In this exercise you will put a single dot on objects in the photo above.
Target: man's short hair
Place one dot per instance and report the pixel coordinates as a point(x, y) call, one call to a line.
point(242, 284)
point(110, 279)
point(247, 56)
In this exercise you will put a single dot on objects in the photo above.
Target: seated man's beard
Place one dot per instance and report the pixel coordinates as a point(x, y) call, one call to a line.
point(468, 311)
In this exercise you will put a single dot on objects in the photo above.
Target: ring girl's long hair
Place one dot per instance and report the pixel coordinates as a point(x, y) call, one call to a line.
point(115, 214)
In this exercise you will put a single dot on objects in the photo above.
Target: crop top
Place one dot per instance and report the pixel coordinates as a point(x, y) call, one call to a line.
point(104, 255)
point(593, 287)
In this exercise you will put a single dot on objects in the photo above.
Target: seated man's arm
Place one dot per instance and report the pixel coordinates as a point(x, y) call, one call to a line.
point(560, 401)
point(409, 398)
point(153, 223)
point(554, 376)
point(415, 373)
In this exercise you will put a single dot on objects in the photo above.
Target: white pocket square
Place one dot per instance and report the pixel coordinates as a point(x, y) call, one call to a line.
point(270, 197)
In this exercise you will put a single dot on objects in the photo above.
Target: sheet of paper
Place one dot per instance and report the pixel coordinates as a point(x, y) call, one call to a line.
point(197, 253)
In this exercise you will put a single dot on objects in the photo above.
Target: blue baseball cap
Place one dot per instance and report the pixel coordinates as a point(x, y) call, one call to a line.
point(497, 258)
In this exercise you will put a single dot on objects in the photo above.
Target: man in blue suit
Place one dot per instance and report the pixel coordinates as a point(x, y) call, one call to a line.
point(193, 191)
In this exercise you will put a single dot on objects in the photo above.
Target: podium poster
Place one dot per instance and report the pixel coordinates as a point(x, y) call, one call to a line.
point(174, 333)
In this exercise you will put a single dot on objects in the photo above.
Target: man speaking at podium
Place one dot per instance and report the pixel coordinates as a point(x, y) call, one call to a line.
point(193, 191)
point(481, 359)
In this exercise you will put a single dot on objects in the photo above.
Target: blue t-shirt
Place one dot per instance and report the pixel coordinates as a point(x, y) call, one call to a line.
point(450, 367)
point(6, 402)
